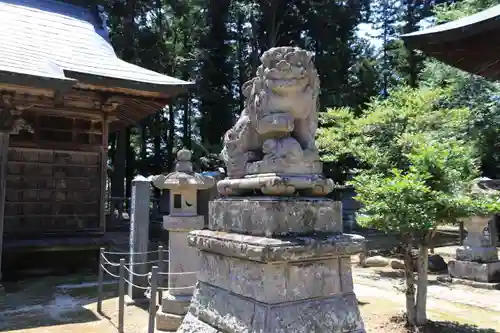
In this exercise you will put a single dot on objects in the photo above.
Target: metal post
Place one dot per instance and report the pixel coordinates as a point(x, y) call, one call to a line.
point(161, 268)
point(100, 281)
point(152, 299)
point(121, 296)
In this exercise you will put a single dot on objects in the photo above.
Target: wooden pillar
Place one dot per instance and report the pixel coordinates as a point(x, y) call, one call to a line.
point(104, 171)
point(4, 150)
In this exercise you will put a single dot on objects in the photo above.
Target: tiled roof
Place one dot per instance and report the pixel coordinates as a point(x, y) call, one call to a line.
point(470, 43)
point(459, 28)
point(56, 40)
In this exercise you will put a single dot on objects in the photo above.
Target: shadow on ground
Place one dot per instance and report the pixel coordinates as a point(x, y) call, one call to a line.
point(50, 301)
point(450, 327)
point(440, 327)
point(24, 321)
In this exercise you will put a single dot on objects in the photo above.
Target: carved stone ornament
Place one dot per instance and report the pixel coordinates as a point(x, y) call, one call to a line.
point(11, 121)
point(183, 177)
point(271, 147)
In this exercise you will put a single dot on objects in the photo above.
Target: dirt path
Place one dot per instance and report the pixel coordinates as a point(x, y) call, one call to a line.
point(67, 305)
point(465, 305)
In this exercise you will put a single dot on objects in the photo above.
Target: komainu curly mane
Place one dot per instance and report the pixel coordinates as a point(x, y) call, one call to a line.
point(286, 81)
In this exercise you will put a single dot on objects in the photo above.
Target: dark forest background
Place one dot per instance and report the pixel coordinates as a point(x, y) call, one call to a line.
point(217, 45)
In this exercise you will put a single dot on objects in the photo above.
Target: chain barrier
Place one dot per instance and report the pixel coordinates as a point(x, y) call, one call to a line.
point(136, 274)
point(154, 279)
point(109, 273)
point(136, 286)
point(177, 273)
point(107, 262)
point(132, 253)
point(175, 288)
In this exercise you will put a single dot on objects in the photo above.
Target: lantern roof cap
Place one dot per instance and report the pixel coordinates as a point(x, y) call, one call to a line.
point(183, 177)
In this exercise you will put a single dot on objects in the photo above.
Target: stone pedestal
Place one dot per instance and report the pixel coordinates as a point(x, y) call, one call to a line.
point(288, 271)
point(477, 259)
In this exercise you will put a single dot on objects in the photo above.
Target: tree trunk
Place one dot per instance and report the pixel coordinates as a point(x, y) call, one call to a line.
point(410, 285)
point(241, 61)
point(119, 162)
point(143, 154)
point(171, 138)
point(130, 165)
point(423, 265)
point(157, 123)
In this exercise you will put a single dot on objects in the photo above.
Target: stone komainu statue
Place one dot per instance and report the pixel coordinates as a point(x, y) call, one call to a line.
point(279, 120)
point(274, 135)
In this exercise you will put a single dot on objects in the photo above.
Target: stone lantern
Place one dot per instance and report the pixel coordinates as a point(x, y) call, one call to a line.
point(477, 259)
point(184, 185)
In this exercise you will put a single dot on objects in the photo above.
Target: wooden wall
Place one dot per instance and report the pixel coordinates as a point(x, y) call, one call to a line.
point(54, 177)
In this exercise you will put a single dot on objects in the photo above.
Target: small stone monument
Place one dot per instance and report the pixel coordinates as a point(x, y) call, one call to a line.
point(184, 185)
point(274, 258)
point(477, 259)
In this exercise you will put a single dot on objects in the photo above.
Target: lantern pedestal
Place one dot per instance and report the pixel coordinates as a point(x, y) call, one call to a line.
point(477, 259)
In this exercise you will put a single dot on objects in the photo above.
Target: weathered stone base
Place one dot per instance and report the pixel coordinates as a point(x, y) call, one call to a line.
point(259, 284)
point(175, 304)
point(477, 253)
point(171, 314)
point(482, 272)
point(297, 281)
point(474, 284)
point(275, 216)
point(215, 310)
point(168, 322)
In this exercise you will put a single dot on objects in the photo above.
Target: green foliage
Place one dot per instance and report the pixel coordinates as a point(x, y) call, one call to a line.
point(381, 138)
point(481, 97)
point(477, 94)
point(414, 157)
point(430, 192)
point(458, 9)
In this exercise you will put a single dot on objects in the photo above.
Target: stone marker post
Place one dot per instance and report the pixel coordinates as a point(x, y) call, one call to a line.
point(274, 258)
point(139, 237)
point(477, 258)
point(184, 185)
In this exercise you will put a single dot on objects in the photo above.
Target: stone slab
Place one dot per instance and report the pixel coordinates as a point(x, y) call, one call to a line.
point(192, 324)
point(275, 185)
point(275, 216)
point(268, 250)
point(481, 272)
point(275, 283)
point(183, 223)
point(168, 322)
point(477, 254)
point(284, 167)
point(175, 304)
point(214, 309)
point(474, 284)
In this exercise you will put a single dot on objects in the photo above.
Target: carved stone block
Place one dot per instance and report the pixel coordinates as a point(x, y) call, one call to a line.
point(481, 272)
point(275, 215)
point(271, 283)
point(216, 310)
